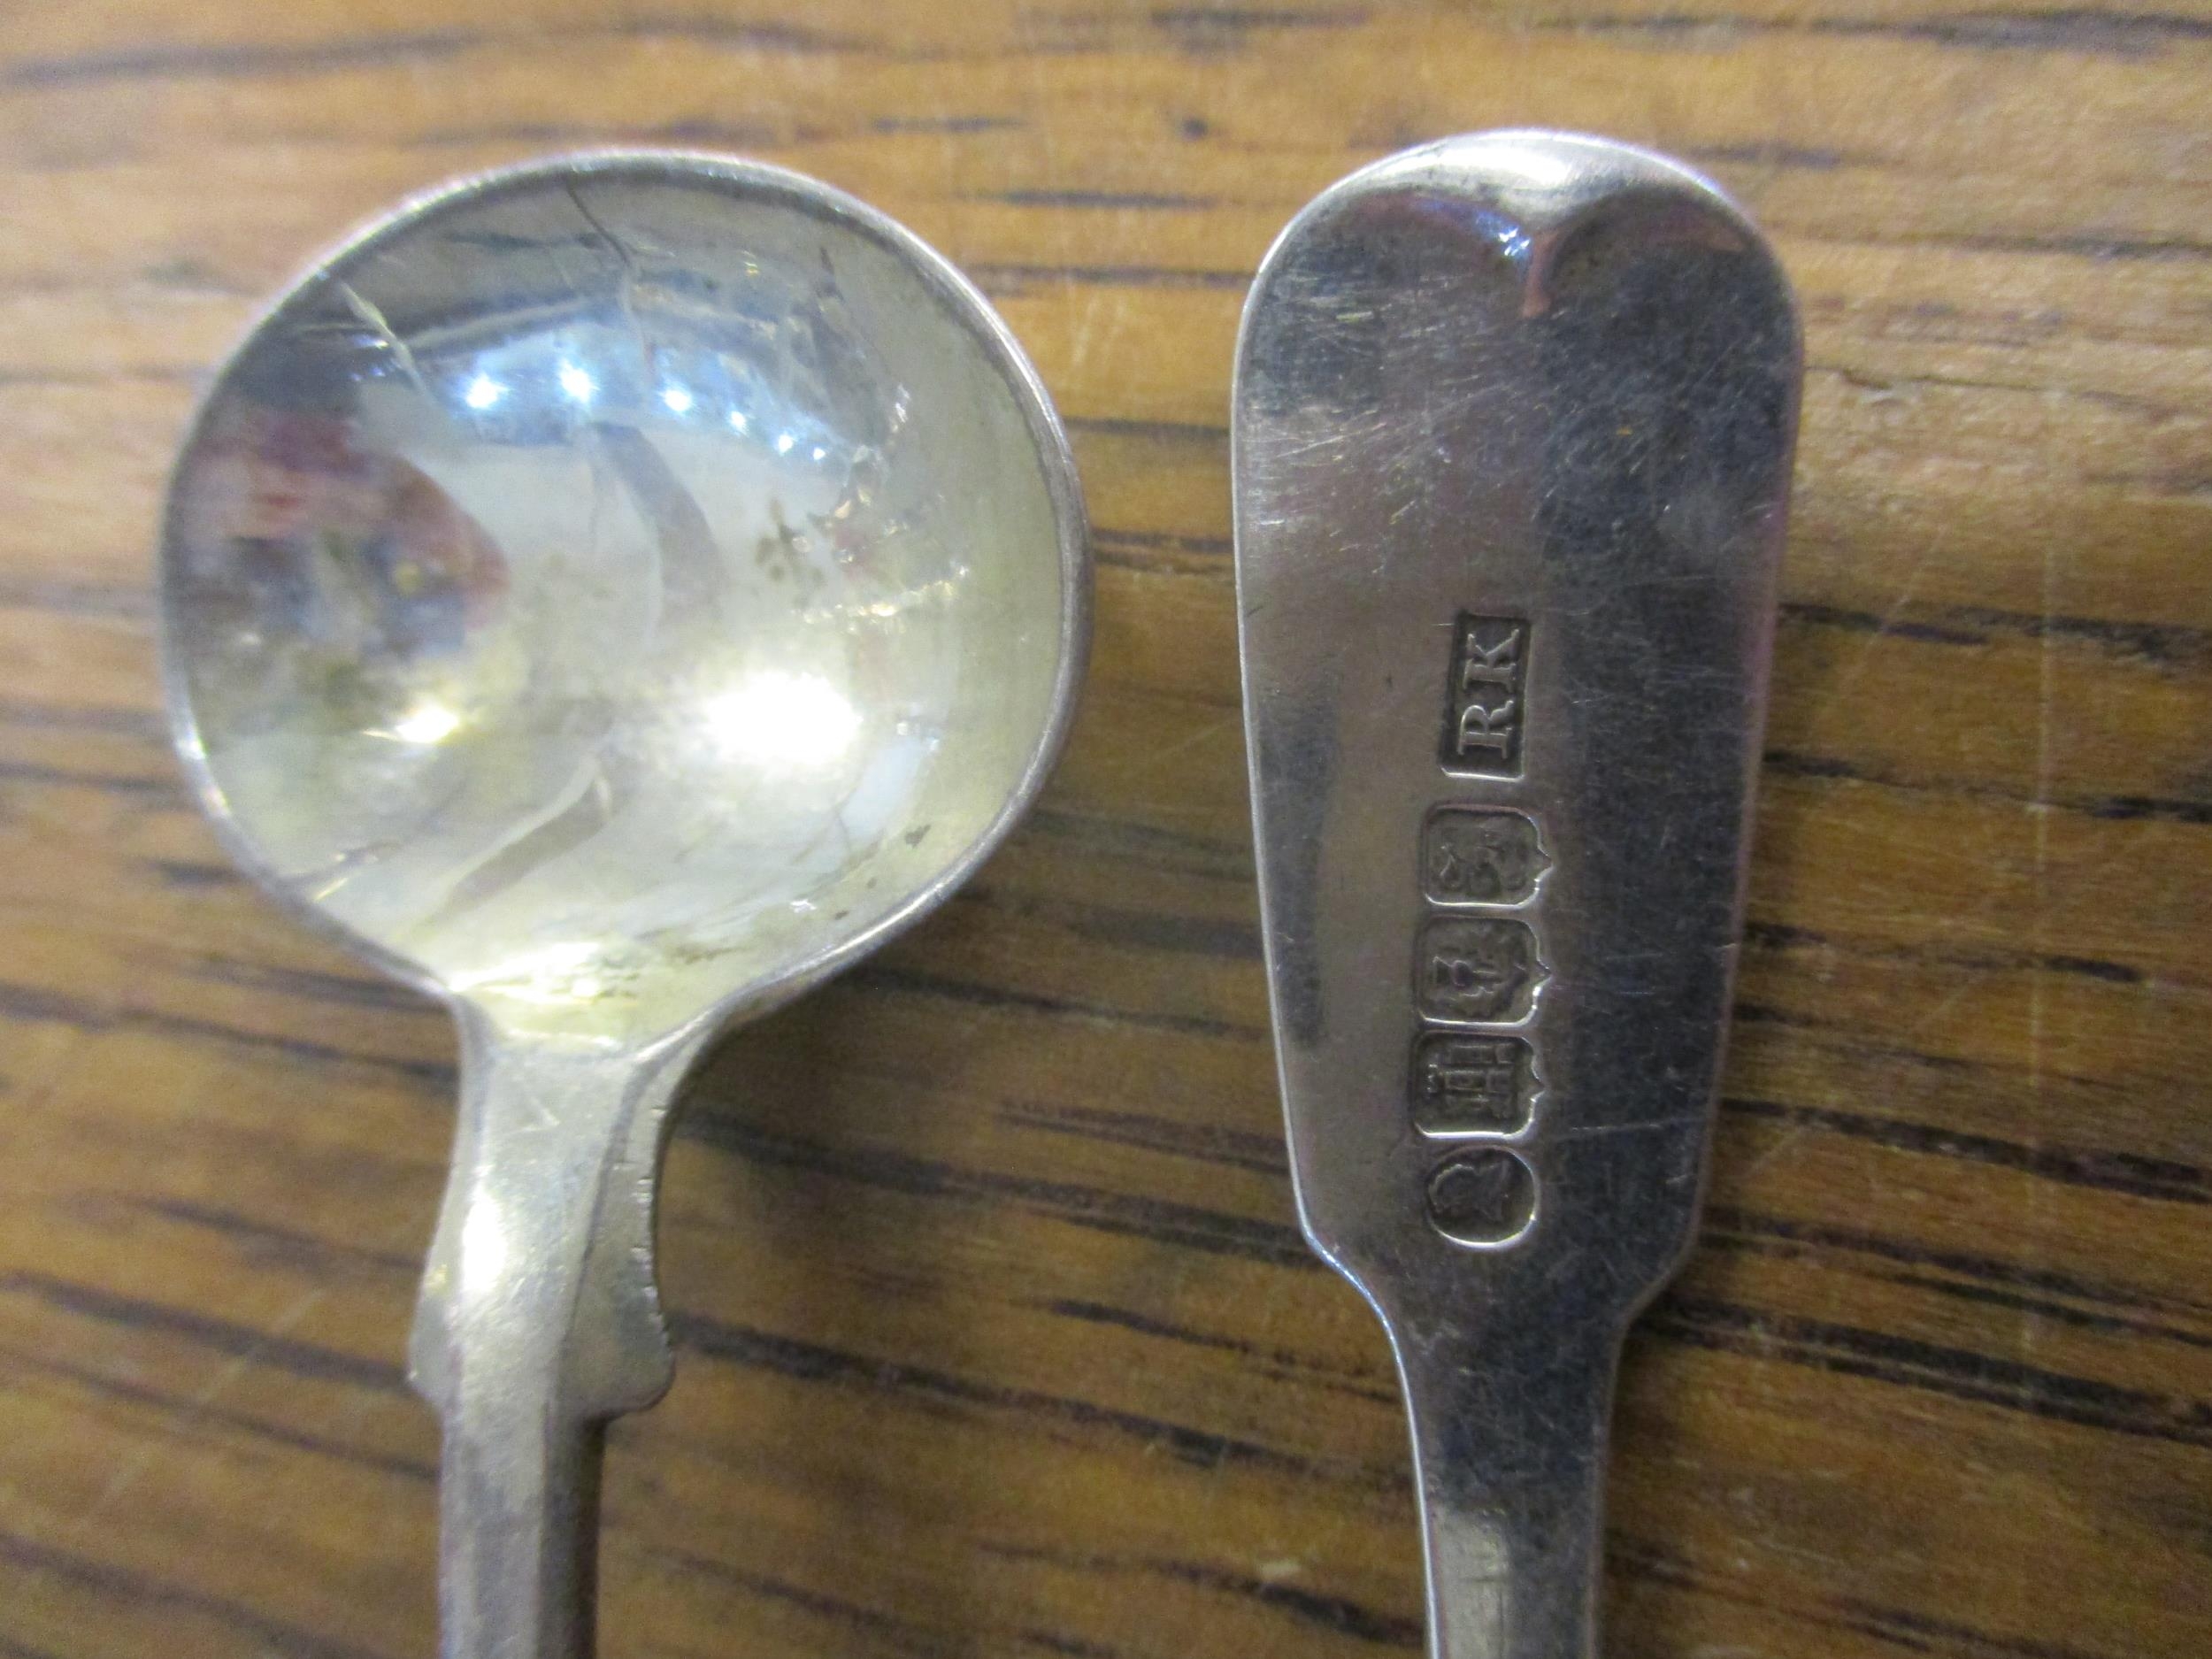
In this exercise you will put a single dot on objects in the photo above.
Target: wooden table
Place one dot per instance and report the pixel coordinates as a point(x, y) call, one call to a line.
point(998, 1336)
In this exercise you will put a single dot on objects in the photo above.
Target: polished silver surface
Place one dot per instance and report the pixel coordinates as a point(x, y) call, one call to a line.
point(1511, 444)
point(613, 594)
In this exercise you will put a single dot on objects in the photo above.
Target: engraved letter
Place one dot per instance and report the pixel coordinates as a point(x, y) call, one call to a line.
point(1491, 667)
point(1487, 728)
point(1483, 701)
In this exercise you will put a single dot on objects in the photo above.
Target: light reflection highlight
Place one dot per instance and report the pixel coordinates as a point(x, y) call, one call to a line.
point(778, 718)
point(483, 1246)
point(428, 722)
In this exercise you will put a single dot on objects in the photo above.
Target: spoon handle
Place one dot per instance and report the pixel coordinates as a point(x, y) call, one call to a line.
point(1511, 447)
point(518, 1525)
point(539, 1320)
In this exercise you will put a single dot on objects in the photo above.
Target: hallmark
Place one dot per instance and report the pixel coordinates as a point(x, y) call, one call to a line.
point(1463, 1084)
point(1474, 857)
point(1482, 1199)
point(1476, 967)
point(1483, 699)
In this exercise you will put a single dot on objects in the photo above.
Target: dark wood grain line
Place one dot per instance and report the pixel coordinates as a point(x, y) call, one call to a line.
point(1791, 157)
point(184, 274)
point(1803, 614)
point(234, 1341)
point(1906, 1628)
point(1639, 1558)
point(725, 135)
point(262, 60)
point(2150, 411)
point(93, 600)
point(1152, 844)
point(1766, 1242)
point(313, 985)
point(1160, 1221)
point(900, 1634)
point(441, 1072)
point(1148, 201)
point(1819, 1238)
point(266, 1242)
point(1908, 1362)
point(1836, 768)
point(1001, 277)
point(105, 1579)
point(2078, 29)
point(914, 982)
point(245, 61)
point(2043, 1308)
point(22, 1001)
point(930, 1388)
point(49, 716)
point(1258, 19)
point(178, 1411)
point(956, 126)
point(82, 379)
point(1272, 1361)
point(1784, 937)
point(2185, 484)
point(1340, 1615)
point(2102, 249)
point(1167, 933)
point(1155, 554)
point(2164, 1179)
point(1852, 1035)
point(2161, 809)
point(190, 875)
point(1174, 432)
point(1206, 1143)
point(1074, 1646)
point(38, 775)
point(27, 1002)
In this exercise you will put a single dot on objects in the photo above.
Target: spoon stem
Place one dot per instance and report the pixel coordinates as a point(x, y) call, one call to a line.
point(519, 1525)
point(539, 1321)
point(1511, 1465)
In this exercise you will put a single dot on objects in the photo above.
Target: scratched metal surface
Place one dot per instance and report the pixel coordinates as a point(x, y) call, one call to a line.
point(996, 1335)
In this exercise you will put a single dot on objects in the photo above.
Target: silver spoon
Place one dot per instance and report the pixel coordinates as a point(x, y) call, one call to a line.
point(612, 595)
point(1511, 444)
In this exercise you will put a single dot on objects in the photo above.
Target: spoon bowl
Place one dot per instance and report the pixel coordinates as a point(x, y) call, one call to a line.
point(622, 588)
point(611, 595)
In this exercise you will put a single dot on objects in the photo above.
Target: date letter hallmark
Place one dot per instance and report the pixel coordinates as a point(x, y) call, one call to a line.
point(1483, 701)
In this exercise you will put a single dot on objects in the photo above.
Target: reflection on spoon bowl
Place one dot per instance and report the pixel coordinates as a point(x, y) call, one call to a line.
point(608, 591)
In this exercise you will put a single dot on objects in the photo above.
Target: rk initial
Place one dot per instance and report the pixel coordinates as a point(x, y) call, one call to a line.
point(1482, 731)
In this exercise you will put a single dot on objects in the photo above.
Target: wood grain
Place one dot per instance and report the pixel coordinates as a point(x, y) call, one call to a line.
point(998, 1336)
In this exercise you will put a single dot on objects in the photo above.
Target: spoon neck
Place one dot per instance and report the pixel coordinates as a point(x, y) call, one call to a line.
point(1509, 1461)
point(539, 1320)
point(540, 1277)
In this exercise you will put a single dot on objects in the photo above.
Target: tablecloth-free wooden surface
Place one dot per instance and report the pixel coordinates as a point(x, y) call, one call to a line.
point(997, 1335)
